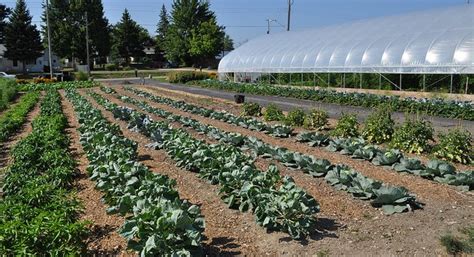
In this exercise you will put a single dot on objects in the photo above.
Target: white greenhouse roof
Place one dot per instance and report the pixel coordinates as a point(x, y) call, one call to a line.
point(434, 41)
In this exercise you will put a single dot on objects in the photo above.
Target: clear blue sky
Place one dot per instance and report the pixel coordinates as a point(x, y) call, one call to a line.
point(246, 19)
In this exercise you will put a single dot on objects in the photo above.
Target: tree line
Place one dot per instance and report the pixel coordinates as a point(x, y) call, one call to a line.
point(188, 35)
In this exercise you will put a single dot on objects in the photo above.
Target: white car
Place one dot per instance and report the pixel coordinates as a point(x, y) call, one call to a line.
point(7, 76)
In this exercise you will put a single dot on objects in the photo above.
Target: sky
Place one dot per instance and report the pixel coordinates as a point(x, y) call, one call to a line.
point(246, 19)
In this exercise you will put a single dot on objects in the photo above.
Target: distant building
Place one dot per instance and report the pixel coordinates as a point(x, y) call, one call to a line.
point(39, 65)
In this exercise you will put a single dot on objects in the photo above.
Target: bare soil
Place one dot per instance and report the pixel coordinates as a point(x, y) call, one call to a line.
point(415, 233)
point(104, 238)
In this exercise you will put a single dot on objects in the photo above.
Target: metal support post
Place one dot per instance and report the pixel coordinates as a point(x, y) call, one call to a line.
point(401, 80)
point(424, 82)
point(360, 81)
point(451, 85)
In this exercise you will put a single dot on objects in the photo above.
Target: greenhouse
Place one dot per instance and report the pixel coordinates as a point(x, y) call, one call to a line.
point(438, 41)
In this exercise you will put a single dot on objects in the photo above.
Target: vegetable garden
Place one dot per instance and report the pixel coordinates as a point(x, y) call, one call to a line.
point(263, 182)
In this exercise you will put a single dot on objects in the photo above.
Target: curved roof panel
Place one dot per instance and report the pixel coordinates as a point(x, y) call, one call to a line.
point(434, 41)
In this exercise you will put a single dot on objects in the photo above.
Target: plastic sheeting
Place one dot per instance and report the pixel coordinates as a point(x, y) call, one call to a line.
point(434, 41)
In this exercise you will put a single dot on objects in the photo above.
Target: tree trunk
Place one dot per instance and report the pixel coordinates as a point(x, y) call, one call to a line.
point(23, 63)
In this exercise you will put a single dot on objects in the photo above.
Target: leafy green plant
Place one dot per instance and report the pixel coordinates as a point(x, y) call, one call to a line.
point(251, 109)
point(347, 126)
point(413, 135)
point(456, 146)
point(185, 76)
point(8, 91)
point(295, 117)
point(456, 245)
point(81, 76)
point(273, 113)
point(379, 126)
point(57, 85)
point(316, 119)
point(12, 119)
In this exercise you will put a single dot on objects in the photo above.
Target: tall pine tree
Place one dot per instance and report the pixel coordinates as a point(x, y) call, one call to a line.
point(128, 38)
point(161, 32)
point(4, 12)
point(22, 39)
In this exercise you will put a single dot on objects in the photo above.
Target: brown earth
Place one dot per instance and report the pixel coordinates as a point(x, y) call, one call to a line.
point(414, 233)
point(104, 238)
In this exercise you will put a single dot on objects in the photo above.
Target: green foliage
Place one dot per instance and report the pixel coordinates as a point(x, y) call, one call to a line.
point(379, 126)
point(185, 76)
point(192, 21)
point(457, 245)
point(295, 117)
point(13, 118)
point(4, 12)
point(38, 215)
point(68, 30)
point(57, 85)
point(347, 126)
point(456, 146)
point(316, 119)
point(22, 39)
point(251, 109)
point(8, 92)
point(433, 107)
point(413, 135)
point(111, 67)
point(161, 32)
point(158, 222)
point(81, 76)
point(273, 113)
point(127, 38)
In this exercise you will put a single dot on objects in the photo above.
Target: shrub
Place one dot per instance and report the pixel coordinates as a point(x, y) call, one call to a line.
point(347, 126)
point(81, 76)
point(456, 245)
point(8, 92)
point(455, 145)
point(186, 76)
point(251, 109)
point(295, 117)
point(44, 80)
point(273, 113)
point(111, 67)
point(379, 126)
point(413, 136)
point(316, 119)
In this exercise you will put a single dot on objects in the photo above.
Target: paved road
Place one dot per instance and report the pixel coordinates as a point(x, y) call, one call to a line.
point(334, 110)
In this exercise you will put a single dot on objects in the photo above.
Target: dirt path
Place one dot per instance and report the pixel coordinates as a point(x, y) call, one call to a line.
point(347, 209)
point(414, 233)
point(231, 107)
point(104, 238)
point(426, 190)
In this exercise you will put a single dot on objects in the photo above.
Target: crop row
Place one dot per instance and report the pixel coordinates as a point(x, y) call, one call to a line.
point(57, 85)
point(38, 212)
point(157, 222)
point(356, 148)
point(12, 119)
point(391, 199)
point(277, 202)
point(8, 92)
point(435, 107)
point(277, 130)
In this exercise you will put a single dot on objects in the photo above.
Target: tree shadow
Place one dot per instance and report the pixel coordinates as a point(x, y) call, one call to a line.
point(145, 157)
point(222, 246)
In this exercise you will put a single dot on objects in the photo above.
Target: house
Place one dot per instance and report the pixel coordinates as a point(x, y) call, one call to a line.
point(38, 65)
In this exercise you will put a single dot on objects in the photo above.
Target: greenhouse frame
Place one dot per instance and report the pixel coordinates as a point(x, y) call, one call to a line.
point(438, 41)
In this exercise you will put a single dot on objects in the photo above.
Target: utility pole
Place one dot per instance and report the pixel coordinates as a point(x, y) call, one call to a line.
point(49, 42)
point(87, 47)
point(290, 3)
point(268, 25)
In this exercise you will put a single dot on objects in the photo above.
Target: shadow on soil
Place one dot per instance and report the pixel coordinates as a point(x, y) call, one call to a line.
point(324, 228)
point(222, 246)
point(96, 234)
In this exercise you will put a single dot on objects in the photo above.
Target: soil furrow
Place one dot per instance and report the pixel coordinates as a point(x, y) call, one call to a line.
point(227, 231)
point(426, 190)
point(104, 238)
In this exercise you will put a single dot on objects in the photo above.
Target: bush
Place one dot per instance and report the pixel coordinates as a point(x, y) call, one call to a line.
point(111, 67)
point(347, 126)
point(251, 109)
point(456, 146)
point(44, 80)
point(273, 113)
point(413, 136)
point(186, 76)
point(81, 76)
point(379, 126)
point(295, 117)
point(316, 119)
point(8, 92)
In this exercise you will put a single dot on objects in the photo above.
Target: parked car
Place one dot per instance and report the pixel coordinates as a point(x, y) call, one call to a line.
point(7, 76)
